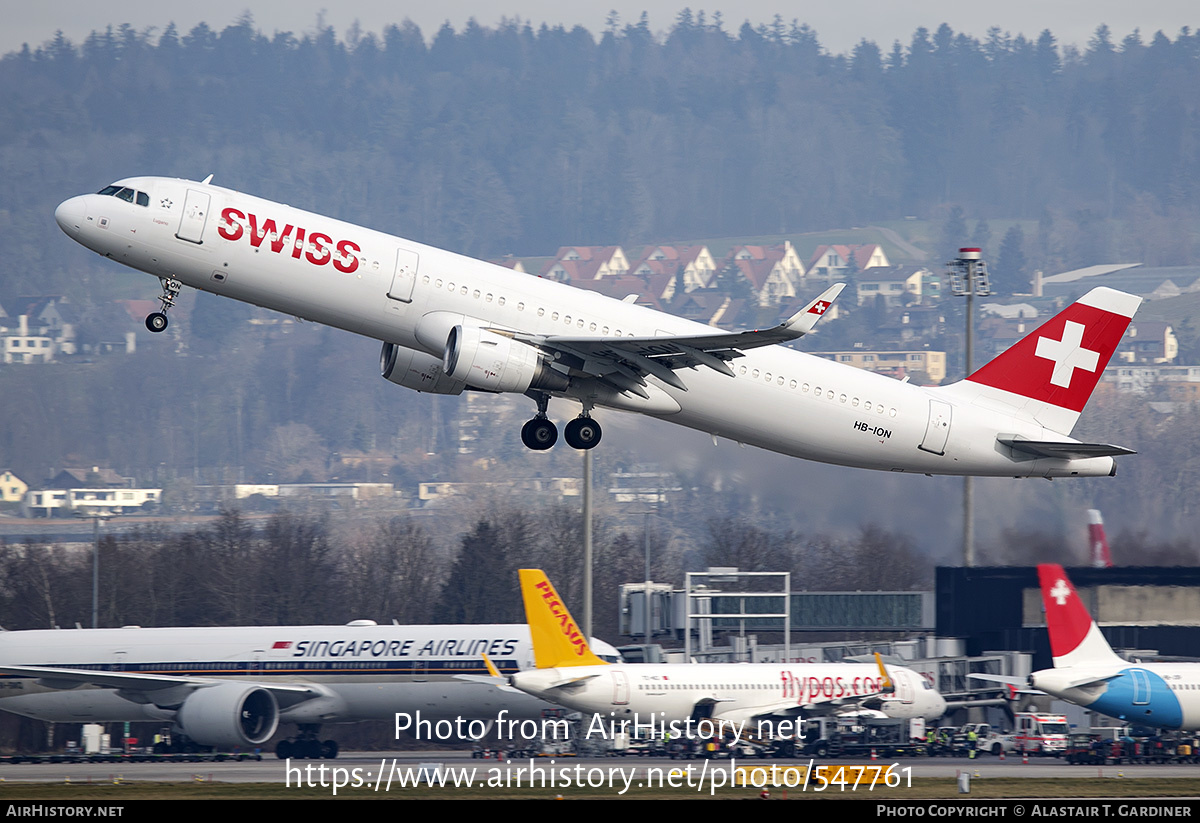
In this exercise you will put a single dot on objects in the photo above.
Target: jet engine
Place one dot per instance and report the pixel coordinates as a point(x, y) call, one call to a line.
point(229, 715)
point(416, 370)
point(493, 362)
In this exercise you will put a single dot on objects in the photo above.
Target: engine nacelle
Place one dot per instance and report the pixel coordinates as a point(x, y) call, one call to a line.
point(493, 362)
point(229, 715)
point(416, 370)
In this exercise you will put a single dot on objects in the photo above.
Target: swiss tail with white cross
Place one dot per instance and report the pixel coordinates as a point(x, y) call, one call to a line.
point(1048, 376)
point(1075, 640)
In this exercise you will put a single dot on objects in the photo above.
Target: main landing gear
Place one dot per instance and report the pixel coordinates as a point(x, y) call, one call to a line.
point(157, 321)
point(540, 433)
point(306, 745)
point(582, 433)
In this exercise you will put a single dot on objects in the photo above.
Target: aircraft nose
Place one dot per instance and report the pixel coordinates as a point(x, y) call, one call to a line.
point(71, 214)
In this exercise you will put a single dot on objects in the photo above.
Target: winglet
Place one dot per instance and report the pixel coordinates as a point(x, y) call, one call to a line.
point(804, 320)
point(491, 667)
point(886, 684)
point(557, 640)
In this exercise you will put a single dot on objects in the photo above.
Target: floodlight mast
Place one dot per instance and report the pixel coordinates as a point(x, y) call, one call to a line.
point(968, 278)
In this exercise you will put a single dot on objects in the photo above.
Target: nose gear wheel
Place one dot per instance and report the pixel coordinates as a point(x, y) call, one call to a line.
point(157, 321)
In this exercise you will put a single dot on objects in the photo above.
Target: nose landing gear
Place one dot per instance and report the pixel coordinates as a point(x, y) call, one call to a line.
point(157, 321)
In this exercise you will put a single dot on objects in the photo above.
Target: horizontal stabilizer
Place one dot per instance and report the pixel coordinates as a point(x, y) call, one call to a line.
point(1086, 680)
point(1063, 450)
point(500, 683)
point(572, 681)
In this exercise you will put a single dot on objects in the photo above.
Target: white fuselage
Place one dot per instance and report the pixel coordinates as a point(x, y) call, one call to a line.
point(411, 295)
point(676, 692)
point(1161, 695)
point(360, 672)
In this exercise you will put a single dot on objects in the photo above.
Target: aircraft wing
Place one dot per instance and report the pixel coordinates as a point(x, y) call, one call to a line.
point(288, 694)
point(625, 362)
point(789, 708)
point(782, 709)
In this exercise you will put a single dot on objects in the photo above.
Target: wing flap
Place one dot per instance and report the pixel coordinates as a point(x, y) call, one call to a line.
point(625, 362)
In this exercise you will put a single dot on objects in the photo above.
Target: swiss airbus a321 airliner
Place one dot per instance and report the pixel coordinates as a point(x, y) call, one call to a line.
point(449, 323)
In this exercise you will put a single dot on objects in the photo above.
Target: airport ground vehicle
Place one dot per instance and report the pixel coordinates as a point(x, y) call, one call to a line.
point(1088, 749)
point(864, 737)
point(1034, 733)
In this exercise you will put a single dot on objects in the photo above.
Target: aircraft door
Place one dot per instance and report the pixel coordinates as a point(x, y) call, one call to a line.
point(195, 215)
point(904, 687)
point(1141, 687)
point(405, 277)
point(937, 431)
point(620, 688)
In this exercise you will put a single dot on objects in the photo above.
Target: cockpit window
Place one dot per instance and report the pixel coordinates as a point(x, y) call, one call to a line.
point(126, 194)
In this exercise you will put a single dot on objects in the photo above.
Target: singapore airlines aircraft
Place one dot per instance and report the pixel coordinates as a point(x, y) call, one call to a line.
point(737, 695)
point(449, 323)
point(1088, 673)
point(231, 687)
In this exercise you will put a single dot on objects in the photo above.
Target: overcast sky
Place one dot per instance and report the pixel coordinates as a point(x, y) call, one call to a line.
point(839, 25)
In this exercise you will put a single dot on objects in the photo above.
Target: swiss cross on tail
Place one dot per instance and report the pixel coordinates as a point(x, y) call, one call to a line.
point(1062, 361)
point(819, 307)
point(1066, 617)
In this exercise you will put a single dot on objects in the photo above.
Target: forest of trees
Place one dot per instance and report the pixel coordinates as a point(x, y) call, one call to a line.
point(518, 139)
point(521, 139)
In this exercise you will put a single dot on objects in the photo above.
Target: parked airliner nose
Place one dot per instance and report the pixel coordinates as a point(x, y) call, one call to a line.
point(71, 214)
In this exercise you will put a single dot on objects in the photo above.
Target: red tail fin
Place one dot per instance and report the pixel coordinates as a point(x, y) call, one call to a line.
point(1062, 361)
point(1074, 637)
point(1098, 541)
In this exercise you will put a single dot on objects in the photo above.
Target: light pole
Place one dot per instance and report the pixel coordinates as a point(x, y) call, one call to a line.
point(95, 517)
point(968, 278)
point(587, 544)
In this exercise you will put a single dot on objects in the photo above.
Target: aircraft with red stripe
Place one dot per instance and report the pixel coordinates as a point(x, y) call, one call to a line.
point(450, 324)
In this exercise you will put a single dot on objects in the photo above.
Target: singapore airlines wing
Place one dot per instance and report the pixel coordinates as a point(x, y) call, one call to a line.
point(450, 324)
